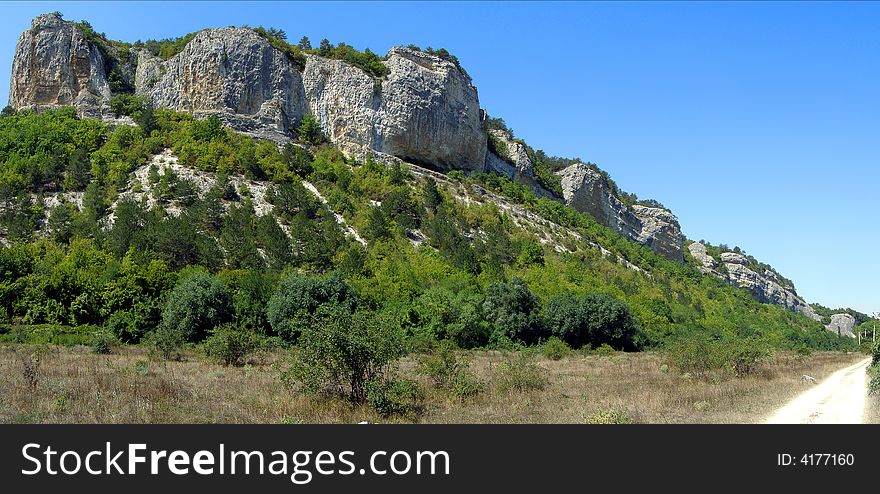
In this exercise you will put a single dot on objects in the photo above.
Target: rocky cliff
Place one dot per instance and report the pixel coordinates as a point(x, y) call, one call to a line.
point(587, 190)
point(56, 65)
point(232, 72)
point(765, 287)
point(842, 324)
point(425, 110)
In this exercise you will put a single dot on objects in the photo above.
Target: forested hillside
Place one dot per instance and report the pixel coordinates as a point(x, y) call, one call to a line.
point(104, 240)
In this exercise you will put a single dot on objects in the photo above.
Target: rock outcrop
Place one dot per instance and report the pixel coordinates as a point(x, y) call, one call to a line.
point(766, 287)
point(55, 65)
point(231, 72)
point(425, 110)
point(512, 159)
point(586, 190)
point(842, 324)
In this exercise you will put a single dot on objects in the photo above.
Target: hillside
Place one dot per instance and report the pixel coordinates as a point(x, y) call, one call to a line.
point(364, 184)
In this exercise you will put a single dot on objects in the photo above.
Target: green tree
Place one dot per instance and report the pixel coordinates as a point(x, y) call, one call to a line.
point(198, 304)
point(304, 43)
point(299, 297)
point(514, 311)
point(345, 352)
point(595, 319)
point(310, 131)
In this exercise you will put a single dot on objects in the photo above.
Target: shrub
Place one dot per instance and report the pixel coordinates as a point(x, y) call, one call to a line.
point(555, 349)
point(465, 385)
point(443, 365)
point(165, 343)
point(394, 396)
point(614, 415)
point(230, 345)
point(513, 310)
point(694, 355)
point(595, 319)
point(342, 351)
point(520, 374)
point(195, 306)
point(103, 341)
point(742, 357)
point(310, 131)
point(298, 298)
point(605, 350)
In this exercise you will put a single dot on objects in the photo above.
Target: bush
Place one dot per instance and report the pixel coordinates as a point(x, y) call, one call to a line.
point(103, 341)
point(513, 310)
point(442, 365)
point(605, 350)
point(609, 416)
point(165, 343)
point(298, 298)
point(694, 355)
point(198, 304)
point(310, 131)
point(341, 352)
point(230, 345)
point(394, 396)
point(520, 374)
point(594, 319)
point(742, 357)
point(555, 349)
point(465, 385)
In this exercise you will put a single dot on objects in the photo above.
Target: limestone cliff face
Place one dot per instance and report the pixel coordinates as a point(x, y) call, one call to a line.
point(55, 65)
point(766, 287)
point(430, 112)
point(842, 324)
point(425, 111)
point(232, 72)
point(586, 190)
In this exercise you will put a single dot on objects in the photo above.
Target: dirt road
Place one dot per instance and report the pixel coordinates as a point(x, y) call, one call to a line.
point(839, 399)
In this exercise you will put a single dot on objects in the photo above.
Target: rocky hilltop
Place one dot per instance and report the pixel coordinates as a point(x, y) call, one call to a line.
point(766, 286)
point(842, 324)
point(585, 189)
point(424, 110)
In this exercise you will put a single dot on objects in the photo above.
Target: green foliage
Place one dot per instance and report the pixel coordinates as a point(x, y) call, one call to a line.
point(520, 373)
point(298, 299)
point(127, 104)
point(368, 61)
point(342, 352)
point(230, 345)
point(555, 349)
point(594, 319)
point(394, 396)
point(196, 305)
point(514, 311)
point(698, 355)
point(310, 131)
point(103, 341)
point(442, 365)
point(278, 39)
point(166, 48)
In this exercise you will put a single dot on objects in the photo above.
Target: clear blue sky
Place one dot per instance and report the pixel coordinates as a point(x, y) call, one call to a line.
point(758, 124)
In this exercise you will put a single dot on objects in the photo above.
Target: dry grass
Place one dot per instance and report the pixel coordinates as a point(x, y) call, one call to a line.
point(75, 385)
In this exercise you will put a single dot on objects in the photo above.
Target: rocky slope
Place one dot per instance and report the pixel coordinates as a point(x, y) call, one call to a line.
point(55, 65)
point(587, 190)
point(842, 324)
point(766, 286)
point(424, 111)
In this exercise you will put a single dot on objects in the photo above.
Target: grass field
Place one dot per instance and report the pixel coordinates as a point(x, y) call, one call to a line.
point(72, 384)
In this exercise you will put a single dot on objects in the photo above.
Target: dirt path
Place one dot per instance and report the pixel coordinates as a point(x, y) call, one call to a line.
point(839, 399)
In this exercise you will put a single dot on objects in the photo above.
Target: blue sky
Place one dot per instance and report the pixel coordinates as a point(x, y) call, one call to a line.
point(758, 124)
